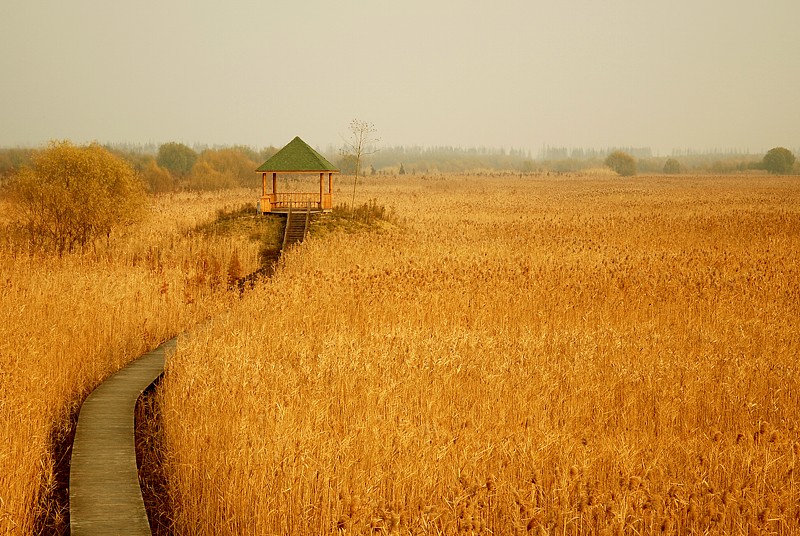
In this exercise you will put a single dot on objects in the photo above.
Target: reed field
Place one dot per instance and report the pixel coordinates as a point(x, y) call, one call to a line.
point(67, 323)
point(508, 355)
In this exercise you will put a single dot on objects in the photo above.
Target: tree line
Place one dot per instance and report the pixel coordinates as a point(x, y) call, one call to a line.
point(448, 159)
point(778, 161)
point(179, 167)
point(175, 166)
point(169, 167)
point(66, 197)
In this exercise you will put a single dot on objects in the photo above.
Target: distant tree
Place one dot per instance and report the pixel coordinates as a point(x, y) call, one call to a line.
point(266, 153)
point(249, 152)
point(359, 145)
point(177, 158)
point(346, 164)
point(74, 195)
point(157, 179)
point(672, 166)
point(402, 169)
point(234, 163)
point(13, 159)
point(205, 177)
point(622, 163)
point(136, 157)
point(779, 161)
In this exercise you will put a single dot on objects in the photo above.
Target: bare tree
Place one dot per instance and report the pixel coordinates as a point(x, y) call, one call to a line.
point(360, 144)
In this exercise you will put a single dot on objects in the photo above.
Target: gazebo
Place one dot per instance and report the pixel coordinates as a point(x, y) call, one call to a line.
point(296, 157)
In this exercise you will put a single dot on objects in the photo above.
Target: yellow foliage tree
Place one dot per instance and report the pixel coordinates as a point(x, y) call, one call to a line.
point(223, 168)
point(622, 163)
point(205, 177)
point(73, 195)
point(157, 179)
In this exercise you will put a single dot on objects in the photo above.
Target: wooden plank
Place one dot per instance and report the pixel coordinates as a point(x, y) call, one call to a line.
point(104, 493)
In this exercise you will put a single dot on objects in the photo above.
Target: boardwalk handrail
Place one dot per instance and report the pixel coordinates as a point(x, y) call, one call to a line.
point(104, 492)
point(286, 228)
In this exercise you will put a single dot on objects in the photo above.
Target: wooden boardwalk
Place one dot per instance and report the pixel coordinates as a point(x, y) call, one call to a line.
point(104, 493)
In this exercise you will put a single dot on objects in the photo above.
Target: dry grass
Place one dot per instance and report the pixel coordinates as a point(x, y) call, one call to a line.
point(583, 355)
point(580, 356)
point(66, 324)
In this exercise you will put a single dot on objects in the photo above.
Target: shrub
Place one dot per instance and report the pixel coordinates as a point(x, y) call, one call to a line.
point(672, 166)
point(778, 161)
point(177, 158)
point(622, 163)
point(228, 167)
point(205, 177)
point(73, 195)
point(157, 179)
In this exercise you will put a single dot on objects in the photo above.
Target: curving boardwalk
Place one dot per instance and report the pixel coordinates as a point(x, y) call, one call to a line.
point(104, 493)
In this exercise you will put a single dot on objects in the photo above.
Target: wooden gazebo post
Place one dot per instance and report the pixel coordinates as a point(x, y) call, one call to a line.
point(321, 175)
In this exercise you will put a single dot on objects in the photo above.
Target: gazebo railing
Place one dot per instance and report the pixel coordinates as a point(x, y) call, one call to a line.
point(286, 200)
point(295, 199)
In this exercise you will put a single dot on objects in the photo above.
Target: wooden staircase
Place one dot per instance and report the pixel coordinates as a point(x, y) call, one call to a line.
point(297, 221)
point(294, 231)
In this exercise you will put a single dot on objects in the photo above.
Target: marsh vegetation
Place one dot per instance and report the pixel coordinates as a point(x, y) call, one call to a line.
point(497, 355)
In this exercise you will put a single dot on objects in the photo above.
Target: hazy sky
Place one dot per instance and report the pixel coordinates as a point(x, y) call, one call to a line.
point(699, 74)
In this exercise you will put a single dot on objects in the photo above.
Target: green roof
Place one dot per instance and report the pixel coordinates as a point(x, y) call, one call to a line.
point(297, 155)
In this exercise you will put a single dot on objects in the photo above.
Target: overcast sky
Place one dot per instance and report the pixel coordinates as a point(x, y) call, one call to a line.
point(700, 74)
